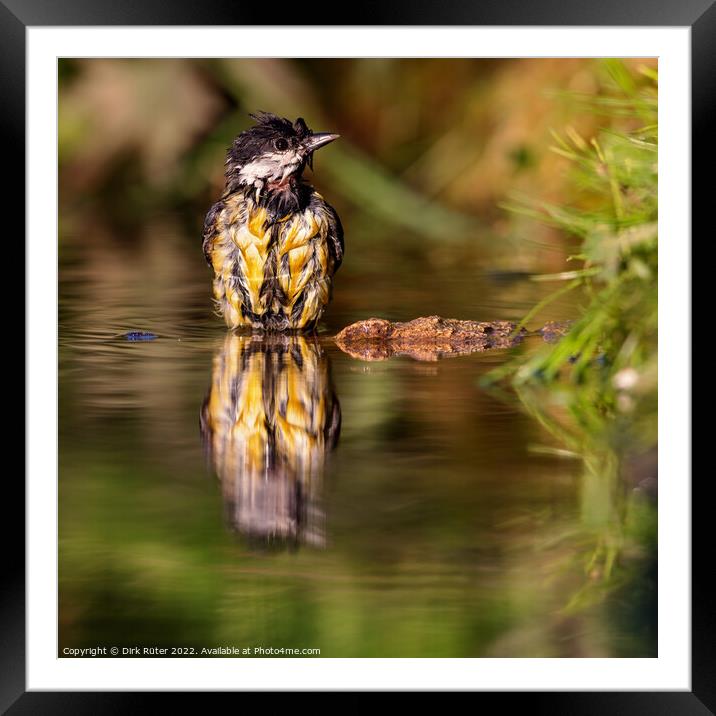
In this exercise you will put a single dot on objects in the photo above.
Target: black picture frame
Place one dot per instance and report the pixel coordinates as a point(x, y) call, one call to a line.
point(17, 15)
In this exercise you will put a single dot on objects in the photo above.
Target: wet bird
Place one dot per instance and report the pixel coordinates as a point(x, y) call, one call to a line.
point(273, 241)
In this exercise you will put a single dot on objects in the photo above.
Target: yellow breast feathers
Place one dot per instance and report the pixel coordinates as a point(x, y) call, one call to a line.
point(272, 275)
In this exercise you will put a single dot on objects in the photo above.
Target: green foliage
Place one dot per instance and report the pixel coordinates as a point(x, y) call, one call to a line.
point(612, 346)
point(595, 390)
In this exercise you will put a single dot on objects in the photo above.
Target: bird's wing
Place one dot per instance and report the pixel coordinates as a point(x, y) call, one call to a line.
point(210, 229)
point(335, 237)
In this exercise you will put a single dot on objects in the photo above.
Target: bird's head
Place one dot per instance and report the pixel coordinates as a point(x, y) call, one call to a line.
point(272, 153)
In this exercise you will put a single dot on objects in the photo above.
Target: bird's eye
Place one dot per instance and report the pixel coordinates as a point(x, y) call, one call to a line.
point(281, 144)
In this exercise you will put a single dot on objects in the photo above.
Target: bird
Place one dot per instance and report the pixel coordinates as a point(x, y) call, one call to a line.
point(269, 421)
point(273, 242)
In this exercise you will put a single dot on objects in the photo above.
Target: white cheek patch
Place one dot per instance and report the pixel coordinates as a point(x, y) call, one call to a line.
point(261, 169)
point(269, 167)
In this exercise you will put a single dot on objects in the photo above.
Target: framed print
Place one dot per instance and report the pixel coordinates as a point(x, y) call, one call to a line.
point(343, 360)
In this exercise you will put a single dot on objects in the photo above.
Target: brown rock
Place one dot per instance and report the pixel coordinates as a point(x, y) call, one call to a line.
point(426, 339)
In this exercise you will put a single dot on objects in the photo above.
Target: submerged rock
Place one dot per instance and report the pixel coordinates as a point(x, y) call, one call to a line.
point(552, 331)
point(140, 336)
point(426, 339)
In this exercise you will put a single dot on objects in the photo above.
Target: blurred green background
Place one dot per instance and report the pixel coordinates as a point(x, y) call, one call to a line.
point(459, 521)
point(428, 151)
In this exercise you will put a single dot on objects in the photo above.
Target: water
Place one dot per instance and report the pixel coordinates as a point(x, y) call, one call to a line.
point(219, 491)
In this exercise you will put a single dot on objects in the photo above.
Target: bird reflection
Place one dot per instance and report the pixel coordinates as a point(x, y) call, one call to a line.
point(268, 422)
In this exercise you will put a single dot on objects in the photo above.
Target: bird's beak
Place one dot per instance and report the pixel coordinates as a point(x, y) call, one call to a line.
point(318, 140)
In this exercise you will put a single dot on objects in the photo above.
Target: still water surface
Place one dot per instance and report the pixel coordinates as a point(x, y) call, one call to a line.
point(219, 491)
